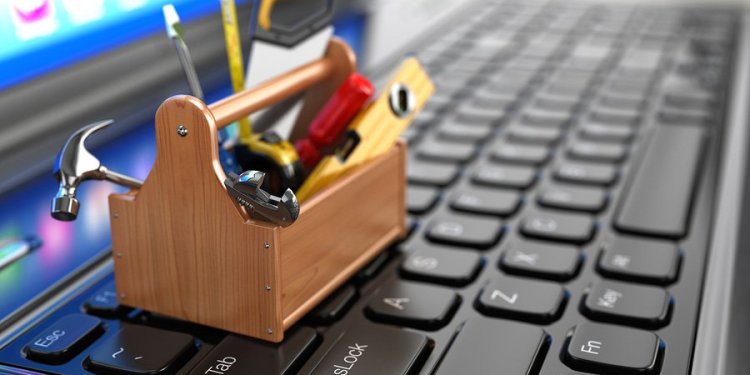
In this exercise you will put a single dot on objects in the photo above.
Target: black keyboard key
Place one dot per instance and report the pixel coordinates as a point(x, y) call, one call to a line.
point(534, 135)
point(63, 339)
point(473, 115)
point(632, 103)
point(372, 268)
point(411, 135)
point(538, 259)
point(689, 100)
point(605, 152)
point(523, 299)
point(431, 173)
point(614, 117)
point(486, 201)
point(684, 117)
point(553, 119)
point(414, 305)
point(658, 201)
point(510, 176)
point(446, 151)
point(463, 133)
point(335, 306)
point(374, 350)
point(605, 349)
point(520, 154)
point(563, 106)
point(640, 260)
point(456, 267)
point(575, 198)
point(494, 102)
point(567, 89)
point(490, 346)
point(565, 227)
point(623, 303)
point(586, 173)
point(466, 230)
point(142, 350)
point(600, 132)
point(236, 355)
point(420, 199)
point(104, 302)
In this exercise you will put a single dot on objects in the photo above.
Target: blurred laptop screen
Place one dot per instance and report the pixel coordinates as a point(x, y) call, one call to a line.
point(39, 36)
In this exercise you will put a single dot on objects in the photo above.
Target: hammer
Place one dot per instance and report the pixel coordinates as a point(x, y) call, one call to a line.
point(75, 164)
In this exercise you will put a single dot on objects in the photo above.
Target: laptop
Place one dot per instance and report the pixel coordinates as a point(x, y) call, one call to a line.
point(575, 195)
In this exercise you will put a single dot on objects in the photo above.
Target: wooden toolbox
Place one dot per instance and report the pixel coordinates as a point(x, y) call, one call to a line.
point(184, 249)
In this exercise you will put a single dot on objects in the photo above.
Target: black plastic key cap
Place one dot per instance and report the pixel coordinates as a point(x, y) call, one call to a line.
point(238, 355)
point(534, 135)
point(374, 350)
point(574, 198)
point(632, 103)
point(520, 154)
point(640, 260)
point(606, 349)
point(658, 201)
point(487, 346)
point(603, 152)
point(486, 201)
point(505, 176)
point(624, 303)
point(463, 133)
point(104, 302)
point(565, 227)
point(141, 350)
point(335, 306)
point(371, 269)
point(543, 260)
point(466, 230)
point(470, 114)
point(414, 305)
point(545, 118)
point(600, 132)
point(523, 299)
point(446, 151)
point(616, 117)
point(431, 173)
point(442, 265)
point(586, 173)
point(420, 199)
point(63, 339)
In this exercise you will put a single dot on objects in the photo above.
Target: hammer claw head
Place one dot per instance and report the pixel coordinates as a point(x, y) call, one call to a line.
point(74, 165)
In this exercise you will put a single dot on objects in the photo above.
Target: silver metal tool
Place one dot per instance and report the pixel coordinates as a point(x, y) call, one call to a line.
point(246, 190)
point(75, 164)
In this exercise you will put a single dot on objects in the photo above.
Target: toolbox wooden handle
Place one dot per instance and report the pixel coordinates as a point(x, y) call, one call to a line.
point(338, 58)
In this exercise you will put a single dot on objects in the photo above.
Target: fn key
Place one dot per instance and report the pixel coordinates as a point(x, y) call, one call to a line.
point(606, 349)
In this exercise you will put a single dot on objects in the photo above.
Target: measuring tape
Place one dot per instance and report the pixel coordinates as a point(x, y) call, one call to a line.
point(234, 56)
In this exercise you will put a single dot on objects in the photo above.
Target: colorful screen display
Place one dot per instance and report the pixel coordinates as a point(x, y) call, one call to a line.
point(38, 36)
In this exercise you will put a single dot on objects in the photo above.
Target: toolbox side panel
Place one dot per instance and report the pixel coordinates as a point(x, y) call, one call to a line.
point(340, 230)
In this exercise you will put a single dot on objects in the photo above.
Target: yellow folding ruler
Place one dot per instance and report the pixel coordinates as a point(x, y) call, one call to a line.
point(376, 128)
point(234, 56)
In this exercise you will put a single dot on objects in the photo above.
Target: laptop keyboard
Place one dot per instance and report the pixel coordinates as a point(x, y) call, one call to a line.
point(560, 188)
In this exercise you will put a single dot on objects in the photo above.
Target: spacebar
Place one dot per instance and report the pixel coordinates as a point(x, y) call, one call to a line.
point(658, 201)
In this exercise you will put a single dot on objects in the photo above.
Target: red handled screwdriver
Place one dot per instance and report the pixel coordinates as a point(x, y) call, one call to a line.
point(328, 125)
